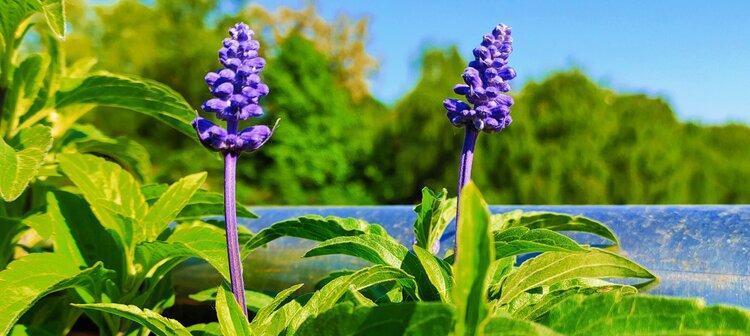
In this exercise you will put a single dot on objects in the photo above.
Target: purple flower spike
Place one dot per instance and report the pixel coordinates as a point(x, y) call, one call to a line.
point(486, 79)
point(488, 108)
point(237, 89)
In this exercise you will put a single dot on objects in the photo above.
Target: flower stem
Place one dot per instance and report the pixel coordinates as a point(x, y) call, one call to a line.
point(230, 217)
point(464, 170)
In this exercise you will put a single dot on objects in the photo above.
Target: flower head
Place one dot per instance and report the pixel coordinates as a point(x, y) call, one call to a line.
point(486, 81)
point(237, 89)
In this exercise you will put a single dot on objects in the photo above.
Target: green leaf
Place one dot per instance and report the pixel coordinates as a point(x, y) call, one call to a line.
point(507, 326)
point(437, 271)
point(253, 300)
point(473, 258)
point(207, 329)
point(54, 12)
point(137, 94)
point(532, 306)
point(617, 314)
point(521, 240)
point(30, 278)
point(203, 203)
point(326, 297)
point(266, 313)
point(10, 229)
point(551, 267)
point(170, 204)
point(280, 320)
point(433, 215)
point(113, 194)
point(75, 231)
point(383, 250)
point(13, 12)
point(21, 158)
point(27, 80)
point(199, 240)
point(314, 227)
point(129, 154)
point(157, 324)
point(413, 319)
point(553, 221)
point(499, 270)
point(231, 318)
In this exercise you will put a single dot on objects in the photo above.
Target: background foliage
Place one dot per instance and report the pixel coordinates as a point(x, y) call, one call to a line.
point(575, 139)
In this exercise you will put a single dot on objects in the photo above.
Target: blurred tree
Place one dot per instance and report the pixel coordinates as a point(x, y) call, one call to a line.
point(572, 140)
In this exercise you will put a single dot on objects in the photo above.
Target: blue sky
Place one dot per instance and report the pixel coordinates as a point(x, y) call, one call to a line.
point(695, 54)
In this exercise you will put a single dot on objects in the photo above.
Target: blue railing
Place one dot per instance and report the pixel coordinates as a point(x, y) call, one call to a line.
point(697, 251)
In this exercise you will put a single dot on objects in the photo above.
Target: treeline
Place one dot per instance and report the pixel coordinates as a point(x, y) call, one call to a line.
point(572, 140)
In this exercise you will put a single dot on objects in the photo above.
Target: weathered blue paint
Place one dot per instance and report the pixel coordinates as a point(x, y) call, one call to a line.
point(697, 251)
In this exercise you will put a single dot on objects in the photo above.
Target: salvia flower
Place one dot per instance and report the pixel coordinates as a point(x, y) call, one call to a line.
point(237, 89)
point(488, 106)
point(486, 82)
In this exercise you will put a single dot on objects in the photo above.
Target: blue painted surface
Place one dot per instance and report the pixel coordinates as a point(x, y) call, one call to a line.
point(698, 251)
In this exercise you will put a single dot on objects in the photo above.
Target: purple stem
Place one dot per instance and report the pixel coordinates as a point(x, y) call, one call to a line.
point(464, 171)
point(230, 217)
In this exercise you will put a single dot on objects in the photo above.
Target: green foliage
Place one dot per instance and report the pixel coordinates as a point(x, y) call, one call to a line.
point(474, 253)
point(616, 314)
point(22, 157)
point(428, 228)
point(232, 321)
point(395, 319)
point(155, 323)
point(28, 279)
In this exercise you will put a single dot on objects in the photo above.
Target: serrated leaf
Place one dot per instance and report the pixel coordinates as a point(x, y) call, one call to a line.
point(130, 92)
point(413, 319)
point(21, 158)
point(253, 300)
point(113, 194)
point(30, 278)
point(166, 208)
point(157, 324)
point(326, 297)
point(437, 271)
point(508, 326)
point(382, 250)
point(205, 329)
point(434, 214)
point(315, 228)
point(553, 221)
point(28, 78)
point(551, 267)
point(87, 139)
point(232, 320)
point(521, 240)
point(10, 229)
point(616, 314)
point(473, 258)
point(198, 240)
point(264, 314)
point(13, 12)
point(75, 232)
point(54, 12)
point(203, 203)
point(532, 306)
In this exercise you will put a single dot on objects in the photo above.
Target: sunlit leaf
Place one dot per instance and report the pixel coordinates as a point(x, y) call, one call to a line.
point(617, 314)
point(413, 319)
point(553, 221)
point(166, 208)
point(253, 300)
point(521, 240)
point(30, 278)
point(21, 159)
point(232, 320)
point(314, 227)
point(157, 324)
point(433, 215)
point(552, 267)
point(473, 257)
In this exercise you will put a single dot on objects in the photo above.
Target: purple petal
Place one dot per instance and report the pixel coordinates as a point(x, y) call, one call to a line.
point(254, 137)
